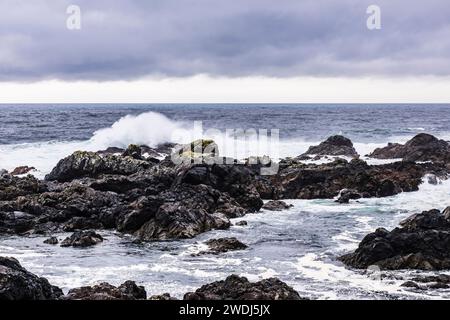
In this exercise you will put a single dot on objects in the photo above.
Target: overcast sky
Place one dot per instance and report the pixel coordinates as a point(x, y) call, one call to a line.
point(167, 44)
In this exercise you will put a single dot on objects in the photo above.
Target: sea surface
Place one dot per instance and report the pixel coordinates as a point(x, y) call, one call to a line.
point(299, 245)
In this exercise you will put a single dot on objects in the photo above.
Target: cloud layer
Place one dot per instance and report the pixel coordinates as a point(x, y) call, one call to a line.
point(173, 38)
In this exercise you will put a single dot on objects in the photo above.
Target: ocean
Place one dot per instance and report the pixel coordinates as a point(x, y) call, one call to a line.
point(299, 245)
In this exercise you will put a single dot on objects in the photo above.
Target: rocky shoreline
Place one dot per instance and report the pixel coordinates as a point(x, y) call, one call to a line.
point(141, 192)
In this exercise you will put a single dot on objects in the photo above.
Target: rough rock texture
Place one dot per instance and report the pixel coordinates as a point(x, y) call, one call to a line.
point(52, 241)
point(12, 187)
point(162, 297)
point(440, 281)
point(222, 245)
point(90, 164)
point(104, 291)
point(300, 181)
point(239, 288)
point(333, 146)
point(236, 180)
point(423, 147)
point(82, 239)
point(348, 194)
point(22, 170)
point(16, 283)
point(276, 205)
point(422, 242)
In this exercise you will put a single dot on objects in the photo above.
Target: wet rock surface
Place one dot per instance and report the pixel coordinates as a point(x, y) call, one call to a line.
point(423, 147)
point(325, 181)
point(22, 170)
point(129, 191)
point(276, 205)
point(82, 239)
point(422, 242)
point(333, 146)
point(348, 194)
point(222, 245)
point(52, 241)
point(16, 283)
point(239, 288)
point(105, 291)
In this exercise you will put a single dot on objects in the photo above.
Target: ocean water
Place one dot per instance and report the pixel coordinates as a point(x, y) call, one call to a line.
point(300, 245)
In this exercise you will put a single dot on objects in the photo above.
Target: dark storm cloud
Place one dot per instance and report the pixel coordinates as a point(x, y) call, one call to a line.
point(283, 38)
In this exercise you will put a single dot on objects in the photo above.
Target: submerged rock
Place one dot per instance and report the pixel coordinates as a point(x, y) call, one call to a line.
point(104, 291)
point(422, 242)
point(423, 147)
point(52, 241)
point(82, 239)
point(16, 283)
point(276, 205)
point(239, 288)
point(333, 146)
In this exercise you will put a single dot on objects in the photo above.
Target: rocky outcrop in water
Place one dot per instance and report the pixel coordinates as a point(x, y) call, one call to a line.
point(423, 147)
point(440, 281)
point(130, 193)
point(12, 187)
point(16, 283)
point(333, 146)
point(345, 195)
point(276, 205)
point(104, 291)
point(239, 288)
point(223, 245)
point(22, 170)
point(90, 164)
point(155, 200)
point(422, 242)
point(82, 239)
point(325, 181)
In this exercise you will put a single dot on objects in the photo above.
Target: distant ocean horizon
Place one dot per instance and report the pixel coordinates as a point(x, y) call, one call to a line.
point(40, 134)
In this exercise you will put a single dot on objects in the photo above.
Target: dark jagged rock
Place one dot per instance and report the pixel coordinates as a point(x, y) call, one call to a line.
point(440, 281)
point(236, 180)
point(82, 239)
point(239, 288)
point(222, 245)
point(104, 291)
point(12, 187)
point(185, 212)
point(162, 297)
point(241, 223)
point(276, 205)
point(325, 181)
point(16, 283)
point(90, 164)
point(333, 146)
point(52, 241)
point(423, 147)
point(348, 194)
point(133, 151)
point(16, 222)
point(22, 170)
point(422, 242)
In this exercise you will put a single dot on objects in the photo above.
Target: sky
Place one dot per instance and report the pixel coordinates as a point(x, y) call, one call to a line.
point(224, 51)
